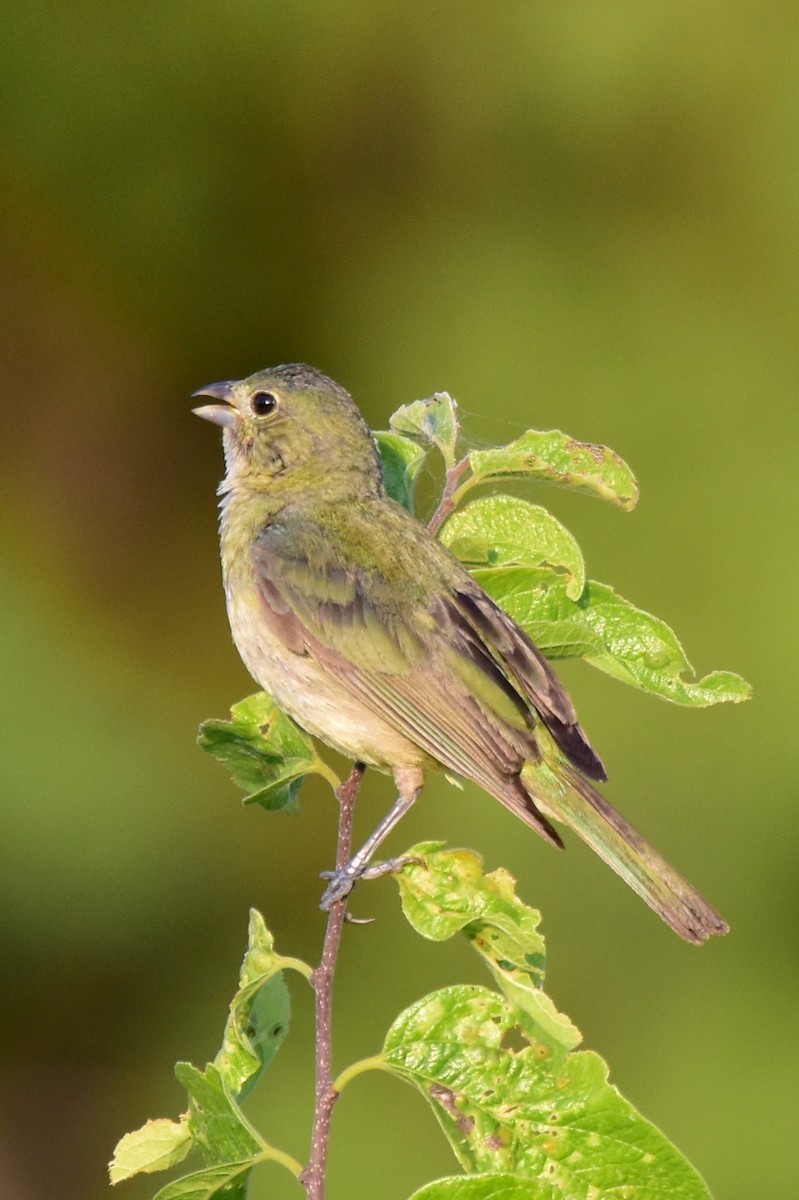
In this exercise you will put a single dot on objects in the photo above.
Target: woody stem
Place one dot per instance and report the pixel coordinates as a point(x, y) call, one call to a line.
point(447, 503)
point(313, 1177)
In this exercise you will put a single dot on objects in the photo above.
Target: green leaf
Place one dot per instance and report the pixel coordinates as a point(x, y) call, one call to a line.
point(256, 1027)
point(268, 1026)
point(564, 639)
point(512, 1095)
point(228, 1180)
point(267, 754)
point(479, 1187)
point(554, 456)
point(640, 649)
point(530, 1111)
point(402, 459)
point(450, 893)
point(157, 1146)
point(217, 1124)
point(503, 530)
point(609, 632)
point(432, 421)
point(259, 1014)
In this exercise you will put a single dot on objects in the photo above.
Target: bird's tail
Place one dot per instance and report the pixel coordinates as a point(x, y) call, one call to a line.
point(566, 796)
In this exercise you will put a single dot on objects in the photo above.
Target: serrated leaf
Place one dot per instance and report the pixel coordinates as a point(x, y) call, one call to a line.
point(256, 1026)
point(542, 1112)
point(504, 530)
point(157, 1146)
point(228, 1180)
point(401, 459)
point(558, 458)
point(530, 1111)
point(432, 421)
point(215, 1119)
point(619, 639)
point(259, 1014)
point(448, 892)
point(640, 649)
point(267, 754)
point(479, 1187)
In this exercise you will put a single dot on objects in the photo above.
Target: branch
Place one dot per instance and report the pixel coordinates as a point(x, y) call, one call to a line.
point(447, 503)
point(313, 1177)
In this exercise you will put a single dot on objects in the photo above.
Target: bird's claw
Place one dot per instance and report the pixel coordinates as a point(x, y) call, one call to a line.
point(391, 866)
point(341, 884)
point(343, 881)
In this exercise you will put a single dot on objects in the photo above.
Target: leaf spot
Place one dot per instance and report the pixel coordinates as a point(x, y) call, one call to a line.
point(447, 1099)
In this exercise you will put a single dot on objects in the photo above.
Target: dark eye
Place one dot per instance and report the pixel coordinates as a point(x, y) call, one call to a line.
point(263, 403)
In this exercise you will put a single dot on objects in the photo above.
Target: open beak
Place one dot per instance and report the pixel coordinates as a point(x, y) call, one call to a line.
point(219, 414)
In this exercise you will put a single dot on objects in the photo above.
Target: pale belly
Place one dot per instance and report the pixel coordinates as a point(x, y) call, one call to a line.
point(315, 700)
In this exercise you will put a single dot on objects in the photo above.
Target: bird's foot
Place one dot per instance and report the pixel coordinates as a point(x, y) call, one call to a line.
point(343, 881)
point(341, 884)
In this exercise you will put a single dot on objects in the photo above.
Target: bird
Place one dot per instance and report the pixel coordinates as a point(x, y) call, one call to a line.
point(375, 639)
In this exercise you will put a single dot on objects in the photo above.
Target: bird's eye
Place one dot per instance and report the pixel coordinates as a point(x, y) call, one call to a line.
point(263, 403)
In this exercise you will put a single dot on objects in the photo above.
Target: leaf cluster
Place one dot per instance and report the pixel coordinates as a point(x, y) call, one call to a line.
point(531, 565)
point(526, 1113)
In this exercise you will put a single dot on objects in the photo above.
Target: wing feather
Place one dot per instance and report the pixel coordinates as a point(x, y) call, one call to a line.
point(474, 609)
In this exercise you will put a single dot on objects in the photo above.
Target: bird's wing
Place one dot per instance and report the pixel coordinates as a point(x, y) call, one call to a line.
point(423, 669)
point(476, 615)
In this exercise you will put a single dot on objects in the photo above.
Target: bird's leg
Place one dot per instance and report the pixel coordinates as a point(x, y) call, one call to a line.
point(409, 782)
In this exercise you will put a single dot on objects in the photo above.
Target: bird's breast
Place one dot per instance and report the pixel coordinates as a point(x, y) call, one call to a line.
point(308, 692)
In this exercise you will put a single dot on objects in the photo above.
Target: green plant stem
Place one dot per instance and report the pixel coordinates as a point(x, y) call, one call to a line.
point(326, 772)
point(448, 502)
point(293, 964)
point(375, 1063)
point(313, 1177)
point(271, 1154)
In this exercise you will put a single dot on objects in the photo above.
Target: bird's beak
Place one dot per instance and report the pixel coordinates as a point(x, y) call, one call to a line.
point(220, 414)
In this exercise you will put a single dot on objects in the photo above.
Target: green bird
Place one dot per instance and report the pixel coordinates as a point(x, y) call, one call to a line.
point(375, 639)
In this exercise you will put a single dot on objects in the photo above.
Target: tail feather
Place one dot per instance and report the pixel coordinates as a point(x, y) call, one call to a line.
point(569, 798)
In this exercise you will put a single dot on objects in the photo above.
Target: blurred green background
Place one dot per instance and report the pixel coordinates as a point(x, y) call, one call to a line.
point(567, 215)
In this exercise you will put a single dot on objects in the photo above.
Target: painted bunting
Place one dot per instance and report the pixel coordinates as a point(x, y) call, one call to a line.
point(375, 639)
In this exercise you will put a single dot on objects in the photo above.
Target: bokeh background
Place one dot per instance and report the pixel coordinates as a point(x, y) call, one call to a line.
point(567, 215)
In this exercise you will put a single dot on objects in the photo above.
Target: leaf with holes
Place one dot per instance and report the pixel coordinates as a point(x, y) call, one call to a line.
point(214, 1124)
point(555, 457)
point(259, 1013)
point(501, 1071)
point(515, 1105)
point(446, 892)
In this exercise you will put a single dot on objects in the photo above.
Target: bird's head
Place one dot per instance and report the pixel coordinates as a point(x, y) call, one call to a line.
point(294, 424)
